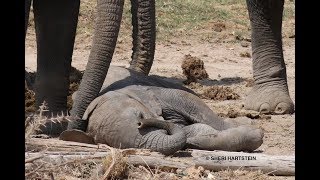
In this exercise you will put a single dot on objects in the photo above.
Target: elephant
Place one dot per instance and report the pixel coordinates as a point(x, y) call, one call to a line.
point(269, 93)
point(138, 111)
point(55, 26)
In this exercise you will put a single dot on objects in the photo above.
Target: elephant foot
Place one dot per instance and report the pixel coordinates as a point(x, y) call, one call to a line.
point(242, 138)
point(269, 99)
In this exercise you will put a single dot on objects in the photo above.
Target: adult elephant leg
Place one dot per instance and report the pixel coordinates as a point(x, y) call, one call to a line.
point(26, 20)
point(55, 23)
point(143, 34)
point(109, 14)
point(270, 91)
point(27, 4)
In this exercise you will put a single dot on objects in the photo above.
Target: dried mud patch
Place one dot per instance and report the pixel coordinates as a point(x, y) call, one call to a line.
point(30, 101)
point(245, 54)
point(215, 92)
point(193, 69)
point(218, 26)
point(75, 75)
point(233, 113)
point(72, 88)
point(220, 93)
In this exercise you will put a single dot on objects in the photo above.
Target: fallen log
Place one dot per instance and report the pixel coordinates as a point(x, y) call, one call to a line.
point(221, 160)
point(38, 144)
point(152, 160)
point(57, 151)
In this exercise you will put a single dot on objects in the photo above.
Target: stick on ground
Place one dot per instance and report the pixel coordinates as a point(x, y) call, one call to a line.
point(58, 151)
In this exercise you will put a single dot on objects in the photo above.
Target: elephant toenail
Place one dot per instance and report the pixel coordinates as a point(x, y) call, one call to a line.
point(264, 108)
point(282, 108)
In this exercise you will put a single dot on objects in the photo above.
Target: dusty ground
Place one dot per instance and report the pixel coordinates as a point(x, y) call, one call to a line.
point(225, 49)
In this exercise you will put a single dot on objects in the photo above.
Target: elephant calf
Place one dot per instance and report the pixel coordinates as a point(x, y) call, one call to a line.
point(138, 111)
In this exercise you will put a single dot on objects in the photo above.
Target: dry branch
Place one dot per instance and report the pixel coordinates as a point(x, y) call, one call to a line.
point(221, 160)
point(158, 161)
point(62, 151)
point(33, 158)
point(37, 144)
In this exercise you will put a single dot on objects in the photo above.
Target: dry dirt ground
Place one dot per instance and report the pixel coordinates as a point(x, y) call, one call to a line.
point(227, 59)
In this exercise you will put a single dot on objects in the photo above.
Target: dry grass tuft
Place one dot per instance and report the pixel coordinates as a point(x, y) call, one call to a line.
point(240, 175)
point(33, 124)
point(74, 169)
point(115, 165)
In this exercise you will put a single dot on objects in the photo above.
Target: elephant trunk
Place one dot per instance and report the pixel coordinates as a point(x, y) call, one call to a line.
point(161, 142)
point(109, 14)
point(143, 34)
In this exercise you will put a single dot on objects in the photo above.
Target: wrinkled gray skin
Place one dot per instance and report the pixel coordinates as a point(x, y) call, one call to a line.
point(107, 27)
point(138, 111)
point(56, 22)
point(270, 91)
point(55, 25)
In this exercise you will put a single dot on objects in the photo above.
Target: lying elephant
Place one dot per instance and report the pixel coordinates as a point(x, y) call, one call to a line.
point(138, 111)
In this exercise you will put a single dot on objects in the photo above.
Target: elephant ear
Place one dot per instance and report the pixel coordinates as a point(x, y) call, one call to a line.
point(97, 102)
point(76, 136)
point(145, 96)
point(93, 105)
